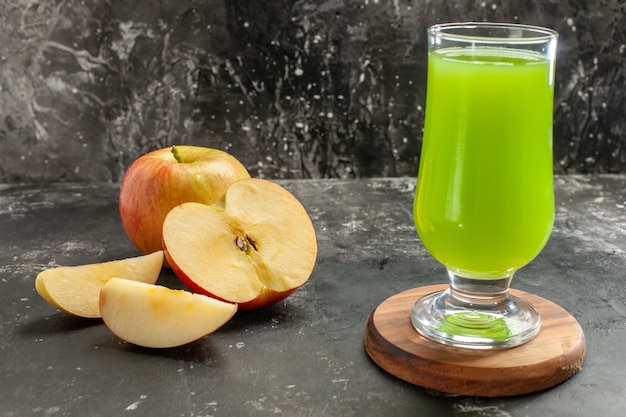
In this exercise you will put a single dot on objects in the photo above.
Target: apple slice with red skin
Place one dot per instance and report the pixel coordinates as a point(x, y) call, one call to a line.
point(254, 247)
point(76, 289)
point(159, 317)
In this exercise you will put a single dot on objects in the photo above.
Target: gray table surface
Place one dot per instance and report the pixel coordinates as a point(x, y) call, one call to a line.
point(305, 355)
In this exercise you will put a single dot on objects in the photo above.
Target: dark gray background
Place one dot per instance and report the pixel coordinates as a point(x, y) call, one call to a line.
point(294, 89)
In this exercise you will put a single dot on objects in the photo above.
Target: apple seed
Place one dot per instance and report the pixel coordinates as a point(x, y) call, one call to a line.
point(253, 243)
point(242, 243)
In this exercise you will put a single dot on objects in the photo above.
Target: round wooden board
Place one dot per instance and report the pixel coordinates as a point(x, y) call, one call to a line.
point(556, 354)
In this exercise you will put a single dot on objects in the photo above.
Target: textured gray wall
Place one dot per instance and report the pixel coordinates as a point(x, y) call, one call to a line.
point(294, 89)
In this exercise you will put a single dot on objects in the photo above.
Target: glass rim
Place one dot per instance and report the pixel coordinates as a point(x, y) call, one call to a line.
point(537, 34)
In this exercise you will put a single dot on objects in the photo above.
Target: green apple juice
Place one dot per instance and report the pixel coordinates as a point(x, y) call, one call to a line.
point(484, 203)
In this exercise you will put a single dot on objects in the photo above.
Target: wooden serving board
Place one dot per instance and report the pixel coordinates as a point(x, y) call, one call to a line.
point(556, 354)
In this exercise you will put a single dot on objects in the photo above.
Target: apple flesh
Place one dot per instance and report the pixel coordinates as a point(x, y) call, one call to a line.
point(158, 317)
point(76, 289)
point(162, 179)
point(254, 247)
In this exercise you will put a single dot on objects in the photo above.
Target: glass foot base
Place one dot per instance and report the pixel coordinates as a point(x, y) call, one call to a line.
point(450, 319)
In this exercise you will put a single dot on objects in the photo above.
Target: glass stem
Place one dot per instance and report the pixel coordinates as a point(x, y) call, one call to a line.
point(473, 292)
point(476, 313)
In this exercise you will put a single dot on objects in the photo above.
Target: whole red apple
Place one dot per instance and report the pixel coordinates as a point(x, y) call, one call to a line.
point(162, 179)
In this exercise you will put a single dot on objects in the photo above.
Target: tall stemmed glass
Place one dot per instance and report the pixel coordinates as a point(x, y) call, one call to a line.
point(484, 203)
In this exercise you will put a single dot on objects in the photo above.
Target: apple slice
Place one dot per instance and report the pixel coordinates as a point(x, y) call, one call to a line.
point(254, 247)
point(76, 289)
point(159, 317)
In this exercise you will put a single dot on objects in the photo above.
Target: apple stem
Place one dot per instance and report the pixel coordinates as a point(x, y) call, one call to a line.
point(176, 154)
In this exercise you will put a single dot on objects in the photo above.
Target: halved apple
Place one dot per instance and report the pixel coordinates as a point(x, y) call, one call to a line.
point(159, 317)
point(254, 247)
point(76, 289)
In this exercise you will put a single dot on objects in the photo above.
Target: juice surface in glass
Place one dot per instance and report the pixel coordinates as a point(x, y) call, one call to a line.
point(484, 203)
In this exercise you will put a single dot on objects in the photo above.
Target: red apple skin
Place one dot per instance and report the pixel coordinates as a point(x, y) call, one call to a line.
point(156, 182)
point(264, 299)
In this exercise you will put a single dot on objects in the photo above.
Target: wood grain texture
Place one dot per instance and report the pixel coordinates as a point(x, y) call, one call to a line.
point(555, 355)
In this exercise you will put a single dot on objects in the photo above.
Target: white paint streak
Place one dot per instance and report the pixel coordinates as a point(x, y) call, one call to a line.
point(130, 32)
point(136, 404)
point(484, 411)
point(354, 224)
